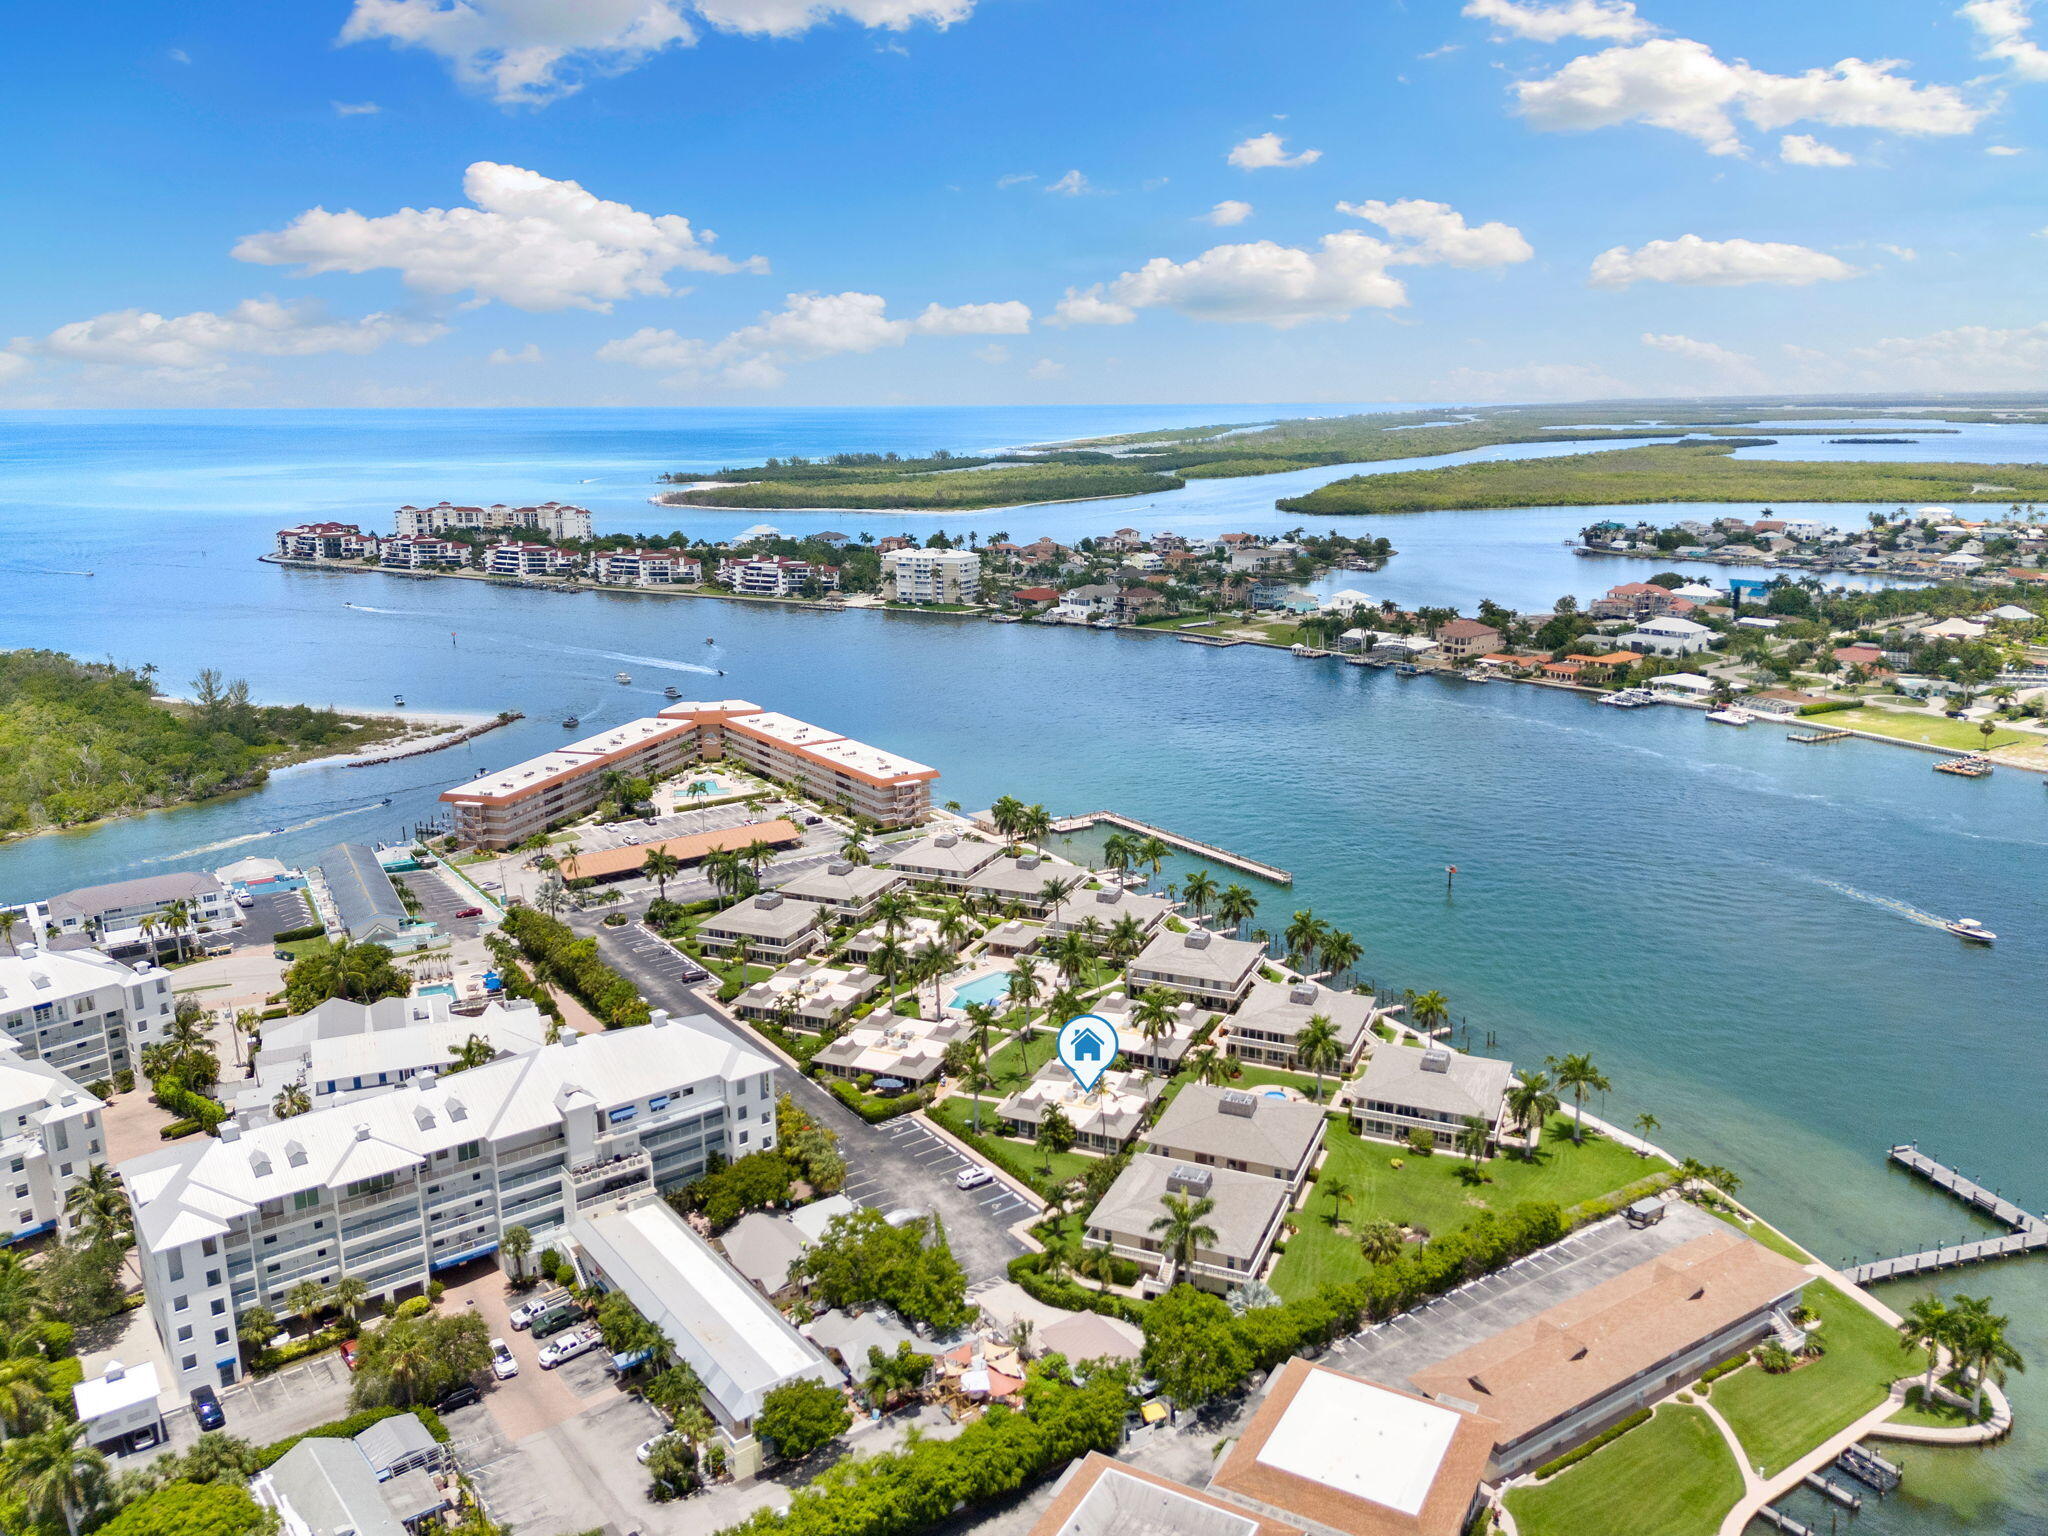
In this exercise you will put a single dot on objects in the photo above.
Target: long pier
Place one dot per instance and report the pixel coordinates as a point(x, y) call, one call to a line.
point(2028, 1233)
point(1089, 819)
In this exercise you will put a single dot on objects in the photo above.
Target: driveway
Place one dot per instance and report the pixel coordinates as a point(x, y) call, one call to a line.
point(897, 1164)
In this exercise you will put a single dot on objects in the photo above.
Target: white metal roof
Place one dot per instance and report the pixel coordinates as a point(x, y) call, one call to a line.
point(1361, 1439)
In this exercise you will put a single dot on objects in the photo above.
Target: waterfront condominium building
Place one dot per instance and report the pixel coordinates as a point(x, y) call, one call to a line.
point(50, 1138)
point(554, 519)
point(518, 557)
point(932, 575)
point(325, 541)
point(393, 1188)
point(110, 916)
point(504, 808)
point(646, 567)
point(84, 1014)
point(777, 576)
point(422, 552)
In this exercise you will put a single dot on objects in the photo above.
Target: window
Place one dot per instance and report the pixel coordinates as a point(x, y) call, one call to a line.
point(185, 1334)
point(220, 1307)
point(213, 1277)
point(305, 1199)
point(180, 1303)
point(190, 1362)
point(220, 1335)
point(177, 1266)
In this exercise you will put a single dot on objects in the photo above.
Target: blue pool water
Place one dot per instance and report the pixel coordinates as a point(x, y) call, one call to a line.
point(992, 988)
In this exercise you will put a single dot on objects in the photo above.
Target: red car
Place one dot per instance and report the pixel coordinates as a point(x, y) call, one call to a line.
point(348, 1353)
point(471, 912)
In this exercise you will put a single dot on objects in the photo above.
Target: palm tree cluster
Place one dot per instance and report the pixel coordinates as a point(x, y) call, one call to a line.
point(1018, 822)
point(1973, 1337)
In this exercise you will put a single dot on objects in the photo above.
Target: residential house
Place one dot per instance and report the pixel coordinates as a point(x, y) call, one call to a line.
point(809, 995)
point(51, 1138)
point(843, 888)
point(1105, 1117)
point(888, 1047)
point(1164, 1053)
point(1266, 1030)
point(776, 576)
point(110, 916)
point(1463, 639)
point(944, 858)
point(1019, 880)
point(1245, 1132)
point(1668, 636)
point(1246, 1218)
point(1204, 966)
point(82, 1013)
point(775, 928)
point(1434, 1090)
point(421, 552)
point(1105, 905)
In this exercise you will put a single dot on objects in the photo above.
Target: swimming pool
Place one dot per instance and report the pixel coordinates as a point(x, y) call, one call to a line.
point(992, 988)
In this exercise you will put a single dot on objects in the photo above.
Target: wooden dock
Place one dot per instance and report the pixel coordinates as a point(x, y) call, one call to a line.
point(2027, 1232)
point(1210, 851)
point(1220, 645)
point(1965, 767)
point(1810, 738)
point(1775, 1517)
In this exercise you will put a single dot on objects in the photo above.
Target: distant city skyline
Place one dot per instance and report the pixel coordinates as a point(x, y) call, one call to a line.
point(775, 202)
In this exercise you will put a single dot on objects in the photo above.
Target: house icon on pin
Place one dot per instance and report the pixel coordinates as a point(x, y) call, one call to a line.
point(1087, 1046)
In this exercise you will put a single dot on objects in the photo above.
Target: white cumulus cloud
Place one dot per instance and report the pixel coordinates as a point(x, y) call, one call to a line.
point(1437, 233)
point(1599, 19)
point(809, 325)
point(505, 356)
point(12, 366)
point(1716, 263)
point(207, 342)
point(1073, 184)
point(1682, 86)
point(534, 51)
point(2003, 28)
point(1805, 149)
point(1229, 211)
point(1526, 381)
point(1965, 357)
point(2003, 149)
point(528, 240)
point(1045, 368)
point(1268, 151)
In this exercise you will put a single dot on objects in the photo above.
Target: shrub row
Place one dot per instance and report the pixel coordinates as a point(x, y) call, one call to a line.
point(1727, 1367)
point(349, 1428)
point(293, 935)
point(875, 1111)
point(1071, 1294)
point(556, 951)
point(1606, 1437)
point(1828, 706)
point(1009, 1156)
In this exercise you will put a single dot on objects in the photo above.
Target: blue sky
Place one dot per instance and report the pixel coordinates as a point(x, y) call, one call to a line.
point(361, 202)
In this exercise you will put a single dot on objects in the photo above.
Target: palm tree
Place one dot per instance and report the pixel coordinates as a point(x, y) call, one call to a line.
point(473, 1052)
point(955, 927)
point(55, 1476)
point(888, 956)
point(1065, 1003)
point(1151, 850)
point(1055, 890)
point(1531, 1102)
point(1071, 954)
point(1125, 938)
point(757, 854)
point(148, 928)
point(1981, 1348)
point(854, 848)
point(25, 1401)
point(247, 1026)
point(1318, 1048)
point(1236, 906)
point(1380, 1241)
point(1340, 952)
point(349, 1292)
point(1198, 890)
point(516, 1244)
point(1023, 987)
point(8, 918)
point(305, 1300)
point(1472, 1138)
point(1034, 824)
point(1578, 1076)
point(291, 1100)
point(97, 1204)
point(661, 866)
point(185, 1031)
point(726, 871)
point(177, 916)
point(1340, 1195)
point(1428, 1010)
point(1926, 1324)
point(1118, 850)
point(1211, 1066)
point(1184, 1231)
point(1647, 1125)
point(893, 909)
point(1153, 1012)
point(1303, 936)
point(1005, 815)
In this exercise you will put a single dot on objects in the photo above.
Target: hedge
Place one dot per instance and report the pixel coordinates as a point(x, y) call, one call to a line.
point(1727, 1367)
point(1606, 1437)
point(1070, 1294)
point(293, 935)
point(349, 1428)
point(875, 1111)
point(1829, 706)
point(1009, 1156)
point(556, 950)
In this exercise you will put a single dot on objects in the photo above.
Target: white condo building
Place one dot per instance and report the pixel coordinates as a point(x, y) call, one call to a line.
point(392, 1188)
point(50, 1137)
point(932, 575)
point(82, 1013)
point(555, 519)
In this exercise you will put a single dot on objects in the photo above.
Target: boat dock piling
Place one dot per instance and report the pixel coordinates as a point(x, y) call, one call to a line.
point(1828, 1488)
point(1083, 822)
point(1771, 1515)
point(2028, 1234)
point(1866, 1466)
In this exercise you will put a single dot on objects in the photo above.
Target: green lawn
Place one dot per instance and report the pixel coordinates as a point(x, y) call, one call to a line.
point(1013, 1063)
point(1942, 1415)
point(1935, 730)
point(1780, 1418)
point(956, 1114)
point(1673, 1476)
point(1427, 1192)
point(300, 948)
point(1769, 1236)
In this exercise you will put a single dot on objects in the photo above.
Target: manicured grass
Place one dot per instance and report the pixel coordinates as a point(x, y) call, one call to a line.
point(1428, 1192)
point(1769, 1236)
point(1673, 1476)
point(1940, 1415)
point(1934, 730)
point(1014, 1063)
point(1780, 1418)
point(956, 1114)
point(300, 948)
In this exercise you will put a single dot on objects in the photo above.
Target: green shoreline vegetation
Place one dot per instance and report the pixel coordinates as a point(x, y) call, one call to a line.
point(82, 741)
point(1670, 472)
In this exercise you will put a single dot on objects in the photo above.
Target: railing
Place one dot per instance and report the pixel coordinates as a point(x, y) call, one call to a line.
point(364, 1202)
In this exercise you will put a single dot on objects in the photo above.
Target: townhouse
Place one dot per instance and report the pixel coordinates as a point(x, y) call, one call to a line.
point(1266, 1030)
point(516, 557)
point(1105, 906)
point(646, 567)
point(776, 576)
point(112, 915)
point(82, 1013)
point(50, 1138)
point(848, 891)
point(1433, 1090)
point(774, 928)
point(1242, 1132)
point(1244, 1221)
point(1203, 966)
point(421, 552)
point(1106, 1118)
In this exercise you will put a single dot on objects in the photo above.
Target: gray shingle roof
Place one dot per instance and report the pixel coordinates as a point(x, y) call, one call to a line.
point(1277, 1132)
point(1246, 1205)
point(1467, 1085)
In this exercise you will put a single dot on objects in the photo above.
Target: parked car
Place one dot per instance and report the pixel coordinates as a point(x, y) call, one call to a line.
point(647, 1446)
point(206, 1408)
point(503, 1366)
point(244, 900)
point(692, 971)
point(904, 1216)
point(281, 954)
point(471, 912)
point(348, 1353)
point(524, 1314)
point(464, 1396)
point(555, 1320)
point(577, 1342)
point(972, 1177)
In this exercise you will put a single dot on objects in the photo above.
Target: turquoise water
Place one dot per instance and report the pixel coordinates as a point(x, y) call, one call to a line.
point(992, 988)
point(1708, 912)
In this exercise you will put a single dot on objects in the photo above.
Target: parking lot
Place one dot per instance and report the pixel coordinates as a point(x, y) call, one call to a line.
point(267, 1408)
point(657, 956)
point(275, 912)
point(439, 902)
point(937, 1162)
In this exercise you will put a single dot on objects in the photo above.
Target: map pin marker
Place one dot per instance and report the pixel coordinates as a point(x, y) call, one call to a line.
point(1087, 1046)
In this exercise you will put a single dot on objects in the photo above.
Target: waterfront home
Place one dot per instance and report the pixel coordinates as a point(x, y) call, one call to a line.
point(1206, 967)
point(1684, 684)
point(371, 1188)
point(1434, 1090)
point(886, 1046)
point(1388, 646)
point(776, 929)
point(1019, 880)
point(1668, 636)
point(1166, 1052)
point(777, 576)
point(1036, 595)
point(552, 519)
point(1557, 1378)
point(110, 916)
point(1779, 701)
point(1095, 599)
point(1565, 671)
point(1097, 1494)
point(945, 858)
point(931, 575)
point(83, 1013)
point(912, 935)
point(1145, 560)
point(1348, 1457)
point(1267, 1026)
point(689, 850)
point(1105, 1118)
point(1953, 629)
point(1244, 1131)
point(847, 890)
point(1246, 1219)
point(1107, 905)
point(1512, 665)
point(808, 995)
point(1261, 557)
point(1462, 639)
point(1605, 668)
point(1635, 600)
point(1865, 656)
point(421, 552)
point(646, 567)
point(53, 1141)
point(325, 541)
point(518, 558)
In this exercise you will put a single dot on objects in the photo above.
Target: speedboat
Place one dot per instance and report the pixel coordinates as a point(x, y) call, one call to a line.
point(398, 699)
point(709, 641)
point(570, 723)
point(1971, 931)
point(1728, 716)
point(672, 691)
point(623, 677)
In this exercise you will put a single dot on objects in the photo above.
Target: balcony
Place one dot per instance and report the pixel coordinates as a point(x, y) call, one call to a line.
point(610, 1177)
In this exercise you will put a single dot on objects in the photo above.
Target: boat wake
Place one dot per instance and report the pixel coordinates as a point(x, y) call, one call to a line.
point(257, 837)
point(644, 661)
point(402, 613)
point(1904, 909)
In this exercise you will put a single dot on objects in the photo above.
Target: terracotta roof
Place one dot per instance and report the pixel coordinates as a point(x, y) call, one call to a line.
point(1584, 1347)
point(1088, 1473)
point(617, 861)
point(1465, 629)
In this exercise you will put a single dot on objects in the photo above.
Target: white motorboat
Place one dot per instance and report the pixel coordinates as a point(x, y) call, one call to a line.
point(623, 677)
point(1971, 931)
point(1728, 716)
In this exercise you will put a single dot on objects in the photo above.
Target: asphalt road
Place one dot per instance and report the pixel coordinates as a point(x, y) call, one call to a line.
point(897, 1165)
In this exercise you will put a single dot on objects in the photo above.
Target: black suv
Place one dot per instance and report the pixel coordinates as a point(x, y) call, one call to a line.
point(464, 1396)
point(206, 1408)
